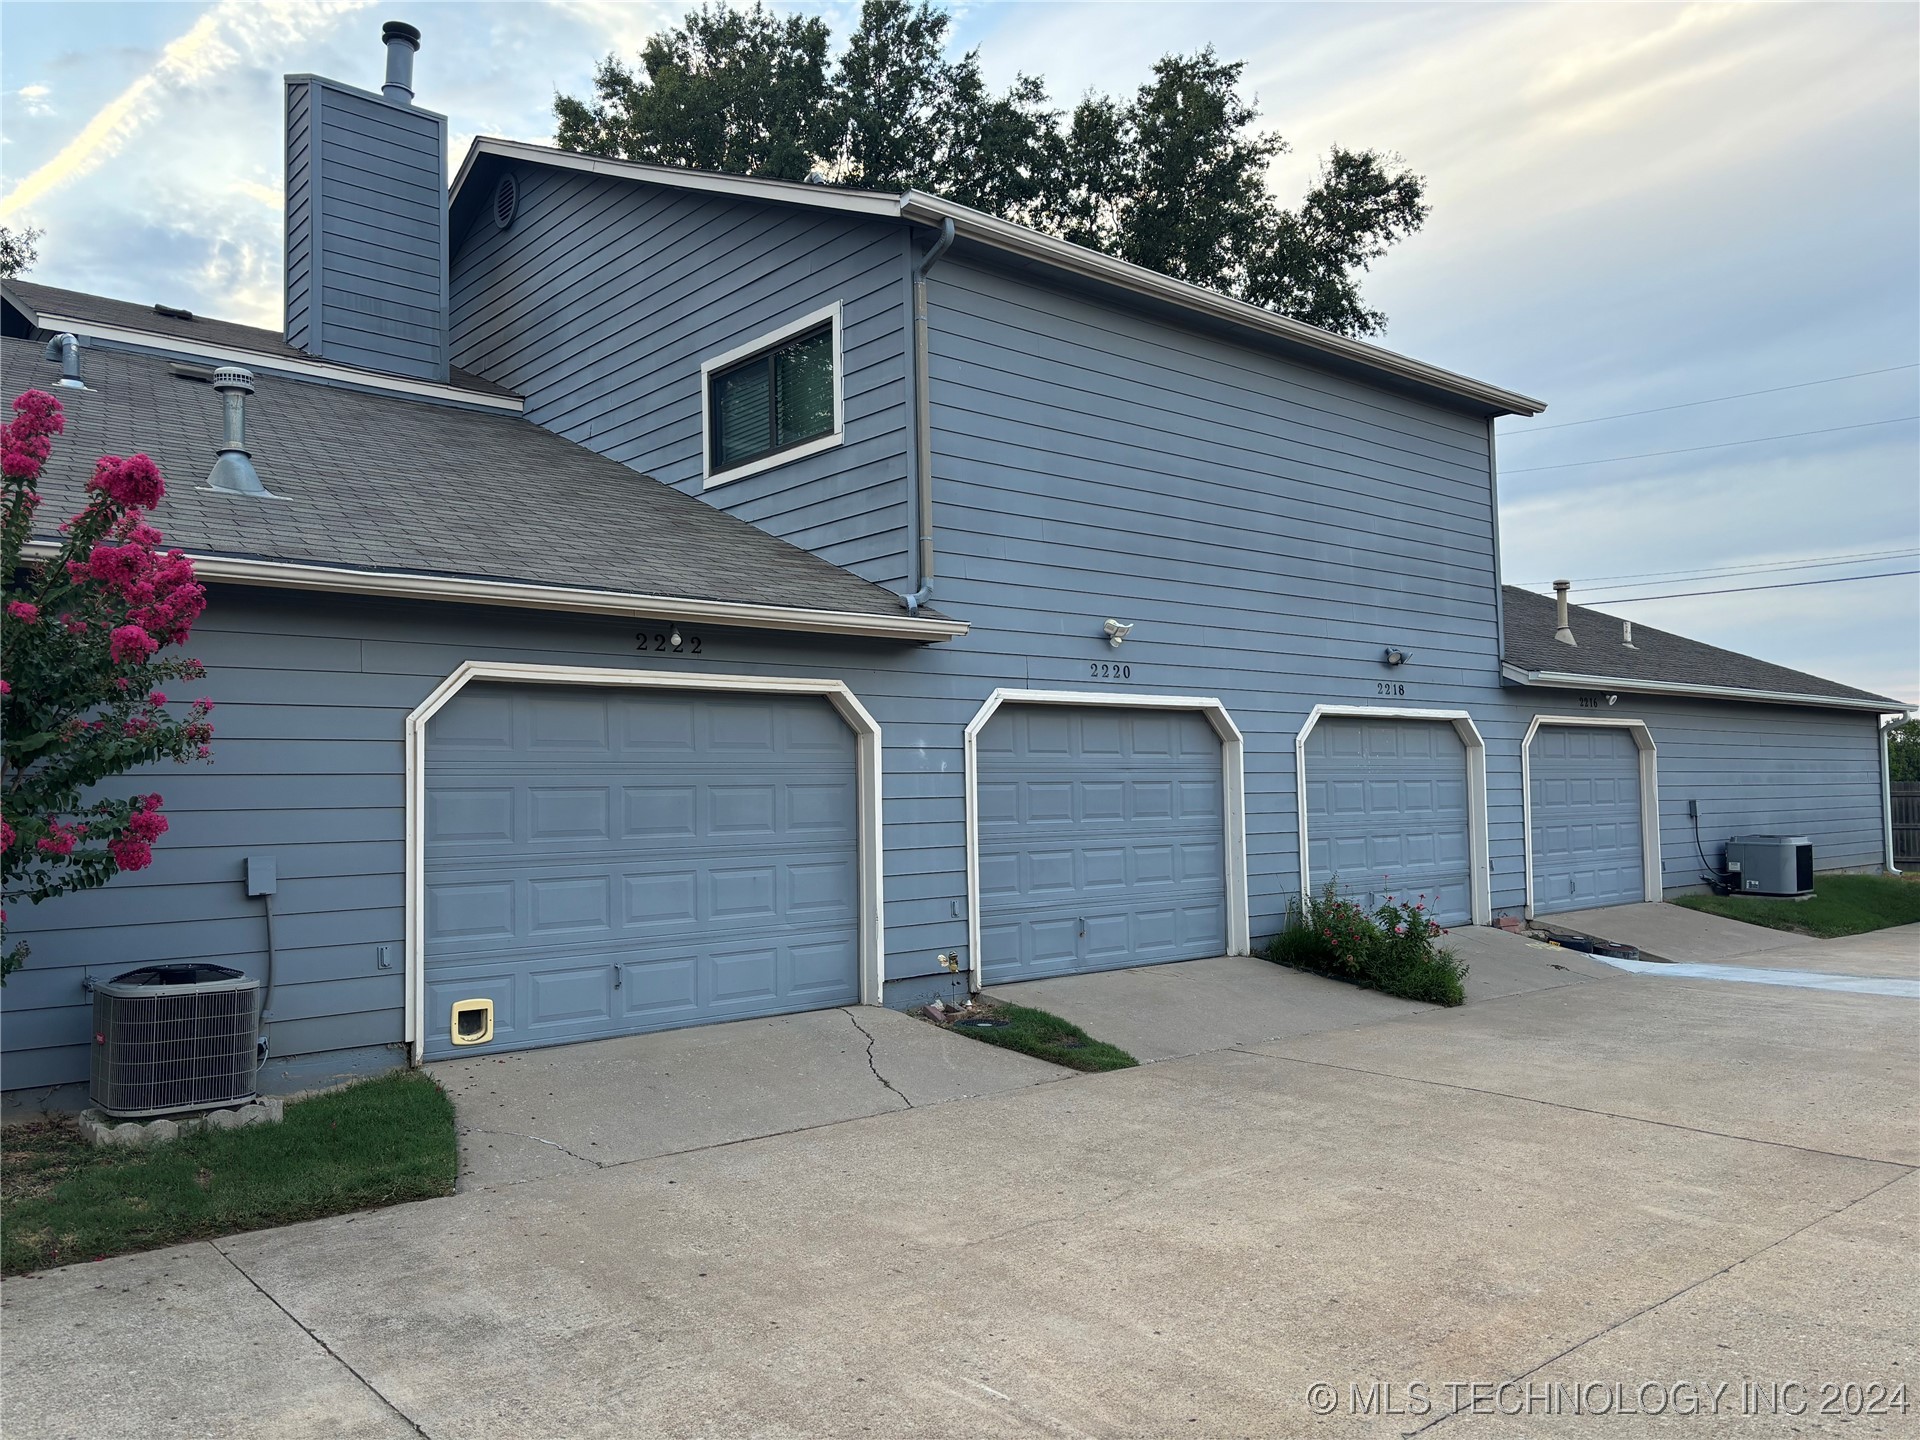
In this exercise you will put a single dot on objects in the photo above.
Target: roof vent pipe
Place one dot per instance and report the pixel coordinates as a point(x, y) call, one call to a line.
point(1564, 634)
point(233, 472)
point(64, 348)
point(1626, 635)
point(401, 40)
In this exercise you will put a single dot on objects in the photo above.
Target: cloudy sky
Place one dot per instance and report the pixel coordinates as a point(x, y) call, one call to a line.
point(1636, 207)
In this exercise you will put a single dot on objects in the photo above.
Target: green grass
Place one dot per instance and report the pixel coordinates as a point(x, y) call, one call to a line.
point(378, 1142)
point(1841, 905)
point(1046, 1037)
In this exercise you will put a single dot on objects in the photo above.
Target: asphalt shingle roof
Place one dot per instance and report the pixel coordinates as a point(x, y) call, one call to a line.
point(1657, 656)
point(387, 482)
point(225, 334)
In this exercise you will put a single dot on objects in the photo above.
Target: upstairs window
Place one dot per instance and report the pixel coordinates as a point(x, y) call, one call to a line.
point(774, 400)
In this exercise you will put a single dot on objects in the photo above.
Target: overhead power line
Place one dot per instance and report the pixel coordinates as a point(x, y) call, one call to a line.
point(1848, 558)
point(1748, 589)
point(1729, 572)
point(1722, 445)
point(1713, 400)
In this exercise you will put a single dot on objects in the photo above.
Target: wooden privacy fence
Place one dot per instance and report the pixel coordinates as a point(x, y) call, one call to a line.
point(1906, 822)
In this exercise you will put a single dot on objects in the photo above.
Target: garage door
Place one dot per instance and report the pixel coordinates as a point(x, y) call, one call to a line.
point(1586, 818)
point(1387, 813)
point(601, 862)
point(1102, 840)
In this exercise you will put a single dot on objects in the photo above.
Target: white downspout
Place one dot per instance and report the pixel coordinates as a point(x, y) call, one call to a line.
point(1886, 789)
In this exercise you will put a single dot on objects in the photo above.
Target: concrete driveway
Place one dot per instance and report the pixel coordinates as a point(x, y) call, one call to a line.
point(534, 1114)
point(1616, 1191)
point(1679, 935)
point(1158, 1012)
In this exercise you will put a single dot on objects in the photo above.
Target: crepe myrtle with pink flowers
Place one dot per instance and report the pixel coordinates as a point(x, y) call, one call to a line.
point(82, 644)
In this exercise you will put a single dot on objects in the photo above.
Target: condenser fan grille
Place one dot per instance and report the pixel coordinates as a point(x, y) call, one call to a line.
point(174, 1037)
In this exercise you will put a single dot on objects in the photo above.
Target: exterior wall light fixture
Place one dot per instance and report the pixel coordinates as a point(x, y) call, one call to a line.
point(1117, 631)
point(1393, 656)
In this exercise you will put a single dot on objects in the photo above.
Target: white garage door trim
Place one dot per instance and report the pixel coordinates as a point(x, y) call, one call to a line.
point(1233, 778)
point(873, 960)
point(1652, 887)
point(1469, 733)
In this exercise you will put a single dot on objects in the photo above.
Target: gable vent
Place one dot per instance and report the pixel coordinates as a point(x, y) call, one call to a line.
point(506, 200)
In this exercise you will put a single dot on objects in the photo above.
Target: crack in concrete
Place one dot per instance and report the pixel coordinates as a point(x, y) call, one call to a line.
point(870, 1062)
point(1664, 1300)
point(521, 1135)
point(308, 1331)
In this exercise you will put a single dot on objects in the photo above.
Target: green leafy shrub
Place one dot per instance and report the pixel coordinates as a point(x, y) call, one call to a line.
point(1391, 949)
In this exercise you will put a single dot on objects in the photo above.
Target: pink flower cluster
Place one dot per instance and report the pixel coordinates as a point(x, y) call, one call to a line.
point(147, 824)
point(130, 644)
point(60, 839)
point(129, 853)
point(22, 611)
point(27, 439)
point(133, 481)
point(134, 850)
point(162, 597)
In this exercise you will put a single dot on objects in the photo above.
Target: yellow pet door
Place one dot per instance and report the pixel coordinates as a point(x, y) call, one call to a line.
point(472, 1022)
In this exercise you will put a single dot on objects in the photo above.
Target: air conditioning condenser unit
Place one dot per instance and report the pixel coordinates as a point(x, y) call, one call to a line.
point(174, 1037)
point(1780, 865)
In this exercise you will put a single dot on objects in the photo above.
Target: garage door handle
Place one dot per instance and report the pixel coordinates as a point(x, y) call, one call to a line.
point(1083, 924)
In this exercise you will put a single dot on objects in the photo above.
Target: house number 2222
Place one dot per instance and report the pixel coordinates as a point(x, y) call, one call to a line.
point(673, 644)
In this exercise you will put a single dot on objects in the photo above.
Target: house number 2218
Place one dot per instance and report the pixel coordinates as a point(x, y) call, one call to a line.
point(1391, 687)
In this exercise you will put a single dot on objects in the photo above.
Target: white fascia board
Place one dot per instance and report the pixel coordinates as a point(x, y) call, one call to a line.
point(790, 192)
point(283, 364)
point(399, 585)
point(1560, 680)
point(1018, 239)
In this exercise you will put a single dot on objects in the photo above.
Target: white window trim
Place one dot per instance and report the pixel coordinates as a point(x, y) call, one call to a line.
point(1478, 862)
point(1233, 776)
point(867, 764)
point(1652, 883)
point(711, 477)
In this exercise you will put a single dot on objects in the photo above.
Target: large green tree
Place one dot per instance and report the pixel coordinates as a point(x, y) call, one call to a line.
point(1175, 178)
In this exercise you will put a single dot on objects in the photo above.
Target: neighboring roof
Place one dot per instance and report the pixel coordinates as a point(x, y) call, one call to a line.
point(1028, 245)
point(1658, 663)
point(391, 495)
point(215, 339)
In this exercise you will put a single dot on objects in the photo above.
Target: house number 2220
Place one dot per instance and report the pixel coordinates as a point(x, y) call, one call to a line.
point(674, 644)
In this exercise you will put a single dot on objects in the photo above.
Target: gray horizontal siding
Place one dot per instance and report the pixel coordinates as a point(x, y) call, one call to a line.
point(603, 298)
point(366, 230)
point(1269, 529)
point(312, 696)
point(1769, 769)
